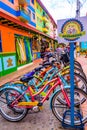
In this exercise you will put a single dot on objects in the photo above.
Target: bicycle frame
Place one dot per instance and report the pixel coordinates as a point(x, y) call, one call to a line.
point(32, 96)
point(53, 69)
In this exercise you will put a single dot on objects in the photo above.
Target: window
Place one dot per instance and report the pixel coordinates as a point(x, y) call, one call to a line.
point(12, 1)
point(0, 43)
point(32, 1)
point(33, 15)
point(30, 13)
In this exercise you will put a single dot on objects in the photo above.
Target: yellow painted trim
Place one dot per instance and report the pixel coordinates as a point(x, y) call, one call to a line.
point(7, 52)
point(28, 103)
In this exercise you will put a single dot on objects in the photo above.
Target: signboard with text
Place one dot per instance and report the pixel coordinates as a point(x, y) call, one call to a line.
point(72, 30)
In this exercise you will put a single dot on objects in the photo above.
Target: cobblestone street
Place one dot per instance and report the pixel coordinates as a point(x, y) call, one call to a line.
point(43, 120)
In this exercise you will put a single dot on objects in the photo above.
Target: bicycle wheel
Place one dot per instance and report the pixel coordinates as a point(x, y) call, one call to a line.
point(77, 63)
point(19, 85)
point(76, 70)
point(79, 81)
point(8, 111)
point(59, 109)
point(80, 72)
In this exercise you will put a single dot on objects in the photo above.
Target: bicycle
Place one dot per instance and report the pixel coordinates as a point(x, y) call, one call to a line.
point(19, 102)
point(38, 81)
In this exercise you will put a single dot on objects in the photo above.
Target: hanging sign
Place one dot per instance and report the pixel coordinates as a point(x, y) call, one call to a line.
point(72, 30)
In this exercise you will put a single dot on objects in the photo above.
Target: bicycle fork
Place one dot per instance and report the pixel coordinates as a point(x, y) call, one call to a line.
point(65, 96)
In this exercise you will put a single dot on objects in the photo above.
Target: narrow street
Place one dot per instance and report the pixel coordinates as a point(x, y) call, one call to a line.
point(43, 120)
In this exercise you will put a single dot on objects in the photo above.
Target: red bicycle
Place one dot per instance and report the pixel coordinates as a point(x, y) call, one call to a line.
point(15, 103)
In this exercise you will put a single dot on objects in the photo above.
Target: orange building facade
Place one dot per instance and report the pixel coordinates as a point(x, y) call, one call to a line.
point(19, 36)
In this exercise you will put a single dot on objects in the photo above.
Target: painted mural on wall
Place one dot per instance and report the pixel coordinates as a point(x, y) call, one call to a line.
point(9, 62)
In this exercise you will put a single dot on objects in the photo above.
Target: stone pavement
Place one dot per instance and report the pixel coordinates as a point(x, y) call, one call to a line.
point(83, 62)
point(43, 120)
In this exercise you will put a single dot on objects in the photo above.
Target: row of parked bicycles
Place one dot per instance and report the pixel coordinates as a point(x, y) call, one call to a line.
point(49, 80)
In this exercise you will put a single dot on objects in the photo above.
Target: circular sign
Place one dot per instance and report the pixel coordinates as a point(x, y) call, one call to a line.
point(72, 30)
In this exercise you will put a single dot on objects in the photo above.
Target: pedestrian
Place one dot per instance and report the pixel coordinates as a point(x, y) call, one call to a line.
point(77, 50)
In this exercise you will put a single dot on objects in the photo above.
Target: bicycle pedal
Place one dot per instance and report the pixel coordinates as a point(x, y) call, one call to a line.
point(47, 98)
point(36, 109)
point(40, 105)
point(40, 108)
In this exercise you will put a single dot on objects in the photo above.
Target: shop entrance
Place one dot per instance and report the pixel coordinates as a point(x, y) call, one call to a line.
point(23, 50)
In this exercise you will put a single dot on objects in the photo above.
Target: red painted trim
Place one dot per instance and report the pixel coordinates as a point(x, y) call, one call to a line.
point(22, 24)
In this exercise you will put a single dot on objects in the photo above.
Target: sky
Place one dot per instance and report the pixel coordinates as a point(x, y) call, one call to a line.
point(62, 9)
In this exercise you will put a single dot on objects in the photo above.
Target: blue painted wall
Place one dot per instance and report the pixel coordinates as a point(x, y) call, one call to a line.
point(14, 12)
point(83, 45)
point(33, 11)
point(0, 65)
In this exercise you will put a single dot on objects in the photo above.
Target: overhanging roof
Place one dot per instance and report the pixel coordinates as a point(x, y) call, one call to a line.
point(10, 21)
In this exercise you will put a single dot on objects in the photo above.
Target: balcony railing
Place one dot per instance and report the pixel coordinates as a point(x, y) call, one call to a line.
point(45, 19)
point(23, 15)
point(23, 2)
point(45, 30)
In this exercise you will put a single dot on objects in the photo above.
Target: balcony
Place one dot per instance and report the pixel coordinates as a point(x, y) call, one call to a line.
point(23, 15)
point(23, 2)
point(45, 19)
point(45, 30)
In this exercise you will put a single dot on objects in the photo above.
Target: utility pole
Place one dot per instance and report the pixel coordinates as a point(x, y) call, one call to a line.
point(78, 9)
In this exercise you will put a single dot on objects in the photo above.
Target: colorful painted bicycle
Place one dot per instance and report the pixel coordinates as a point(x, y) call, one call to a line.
point(15, 103)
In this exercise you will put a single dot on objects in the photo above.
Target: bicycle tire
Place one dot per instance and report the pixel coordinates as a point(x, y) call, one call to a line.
point(80, 72)
point(57, 109)
point(5, 105)
point(81, 78)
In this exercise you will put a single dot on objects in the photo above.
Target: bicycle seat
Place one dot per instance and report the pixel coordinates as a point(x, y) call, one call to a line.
point(47, 63)
point(26, 79)
point(29, 74)
point(38, 69)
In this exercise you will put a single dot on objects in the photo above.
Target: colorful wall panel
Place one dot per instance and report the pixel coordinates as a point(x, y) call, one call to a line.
point(0, 65)
point(83, 45)
point(7, 63)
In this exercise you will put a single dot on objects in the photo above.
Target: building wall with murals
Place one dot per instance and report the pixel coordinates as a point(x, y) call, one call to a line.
point(24, 28)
